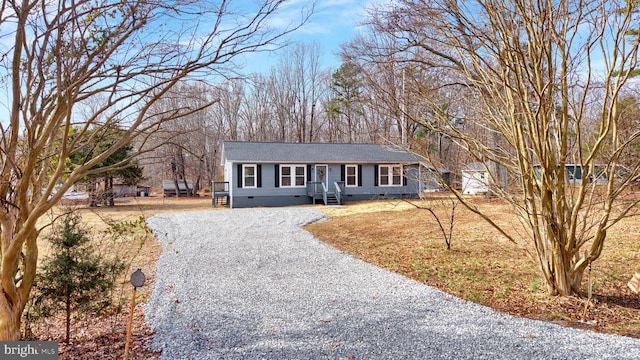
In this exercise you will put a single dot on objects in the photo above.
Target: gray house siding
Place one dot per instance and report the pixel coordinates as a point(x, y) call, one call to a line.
point(371, 190)
point(269, 193)
point(264, 163)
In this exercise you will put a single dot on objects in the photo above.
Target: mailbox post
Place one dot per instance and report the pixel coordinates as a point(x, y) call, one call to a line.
point(137, 280)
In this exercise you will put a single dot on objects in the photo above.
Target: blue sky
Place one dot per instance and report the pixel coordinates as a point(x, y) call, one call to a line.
point(333, 23)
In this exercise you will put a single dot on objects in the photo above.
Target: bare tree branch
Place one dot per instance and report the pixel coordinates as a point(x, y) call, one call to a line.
point(74, 67)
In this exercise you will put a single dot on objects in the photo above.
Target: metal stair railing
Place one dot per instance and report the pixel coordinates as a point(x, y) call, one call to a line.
point(338, 192)
point(220, 191)
point(324, 193)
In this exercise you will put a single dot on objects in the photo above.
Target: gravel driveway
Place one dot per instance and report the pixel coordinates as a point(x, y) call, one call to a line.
point(251, 284)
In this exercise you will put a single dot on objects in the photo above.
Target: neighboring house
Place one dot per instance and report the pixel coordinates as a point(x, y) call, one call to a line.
point(281, 174)
point(122, 190)
point(574, 174)
point(475, 179)
point(76, 195)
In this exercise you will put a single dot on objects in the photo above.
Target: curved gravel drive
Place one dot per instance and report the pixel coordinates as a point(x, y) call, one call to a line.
point(251, 284)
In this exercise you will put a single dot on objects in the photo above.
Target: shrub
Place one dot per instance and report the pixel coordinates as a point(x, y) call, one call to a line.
point(74, 277)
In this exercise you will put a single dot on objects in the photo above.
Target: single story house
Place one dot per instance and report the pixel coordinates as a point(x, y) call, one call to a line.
point(75, 196)
point(282, 174)
point(123, 190)
point(574, 174)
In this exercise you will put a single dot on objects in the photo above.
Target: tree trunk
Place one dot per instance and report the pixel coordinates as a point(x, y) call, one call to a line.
point(561, 280)
point(188, 191)
point(19, 260)
point(67, 316)
point(93, 195)
point(108, 194)
point(9, 321)
point(562, 272)
point(563, 285)
point(196, 185)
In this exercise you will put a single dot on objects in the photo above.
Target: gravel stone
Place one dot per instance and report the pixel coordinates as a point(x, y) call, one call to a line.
point(252, 284)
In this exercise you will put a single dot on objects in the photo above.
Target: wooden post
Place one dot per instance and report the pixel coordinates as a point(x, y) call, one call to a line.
point(137, 280)
point(130, 325)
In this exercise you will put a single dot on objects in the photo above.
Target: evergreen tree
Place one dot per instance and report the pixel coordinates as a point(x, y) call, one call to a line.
point(119, 165)
point(74, 276)
point(345, 102)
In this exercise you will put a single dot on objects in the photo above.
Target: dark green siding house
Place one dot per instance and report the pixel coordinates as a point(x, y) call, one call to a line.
point(282, 174)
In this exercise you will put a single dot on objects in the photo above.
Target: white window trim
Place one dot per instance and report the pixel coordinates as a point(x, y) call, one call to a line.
point(292, 175)
point(389, 176)
point(346, 175)
point(255, 176)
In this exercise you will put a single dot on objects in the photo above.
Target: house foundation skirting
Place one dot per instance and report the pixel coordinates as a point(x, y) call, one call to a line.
point(382, 196)
point(270, 201)
point(292, 200)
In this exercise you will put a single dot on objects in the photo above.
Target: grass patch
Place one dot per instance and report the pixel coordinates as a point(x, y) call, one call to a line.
point(535, 285)
point(482, 266)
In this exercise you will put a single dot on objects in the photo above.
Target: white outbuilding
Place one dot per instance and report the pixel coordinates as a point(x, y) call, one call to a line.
point(475, 179)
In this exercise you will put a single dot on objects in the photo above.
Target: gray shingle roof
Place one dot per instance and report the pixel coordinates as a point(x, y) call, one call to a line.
point(237, 151)
point(474, 166)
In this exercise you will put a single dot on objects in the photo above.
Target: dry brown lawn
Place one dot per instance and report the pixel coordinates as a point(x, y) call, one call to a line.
point(104, 337)
point(482, 266)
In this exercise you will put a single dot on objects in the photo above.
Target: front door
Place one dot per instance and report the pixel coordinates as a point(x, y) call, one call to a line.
point(322, 174)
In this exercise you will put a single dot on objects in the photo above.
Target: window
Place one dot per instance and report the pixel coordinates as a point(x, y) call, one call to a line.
point(390, 175)
point(574, 172)
point(249, 174)
point(293, 175)
point(351, 176)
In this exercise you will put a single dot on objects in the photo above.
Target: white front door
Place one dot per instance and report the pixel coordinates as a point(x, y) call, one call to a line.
point(322, 174)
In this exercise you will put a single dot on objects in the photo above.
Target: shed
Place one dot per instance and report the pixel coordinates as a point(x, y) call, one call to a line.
point(475, 178)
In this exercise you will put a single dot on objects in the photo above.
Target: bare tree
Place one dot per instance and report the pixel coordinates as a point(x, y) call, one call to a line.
point(227, 113)
point(282, 101)
point(183, 144)
point(284, 105)
point(294, 88)
point(222, 122)
point(258, 119)
point(58, 56)
point(443, 211)
point(383, 86)
point(306, 83)
point(546, 79)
